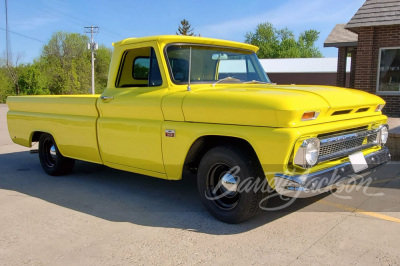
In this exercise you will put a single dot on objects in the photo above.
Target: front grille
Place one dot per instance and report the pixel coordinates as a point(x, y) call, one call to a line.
point(336, 146)
point(372, 137)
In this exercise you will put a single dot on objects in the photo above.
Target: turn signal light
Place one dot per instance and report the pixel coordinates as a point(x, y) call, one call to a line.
point(309, 115)
point(379, 107)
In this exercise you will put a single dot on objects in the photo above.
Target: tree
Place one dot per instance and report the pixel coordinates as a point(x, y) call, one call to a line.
point(6, 85)
point(31, 80)
point(64, 67)
point(65, 61)
point(185, 28)
point(306, 41)
point(102, 63)
point(281, 43)
point(13, 70)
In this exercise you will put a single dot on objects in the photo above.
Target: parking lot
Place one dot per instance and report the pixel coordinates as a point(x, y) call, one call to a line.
point(102, 216)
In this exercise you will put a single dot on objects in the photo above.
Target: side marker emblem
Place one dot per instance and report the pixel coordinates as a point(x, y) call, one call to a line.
point(170, 133)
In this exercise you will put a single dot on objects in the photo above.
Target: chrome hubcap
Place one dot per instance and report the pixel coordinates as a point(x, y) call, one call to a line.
point(53, 152)
point(229, 184)
point(49, 152)
point(222, 186)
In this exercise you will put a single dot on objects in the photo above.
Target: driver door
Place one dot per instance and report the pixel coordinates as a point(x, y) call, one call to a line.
point(130, 120)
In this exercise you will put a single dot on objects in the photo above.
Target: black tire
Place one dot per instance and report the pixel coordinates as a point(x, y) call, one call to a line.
point(52, 161)
point(222, 201)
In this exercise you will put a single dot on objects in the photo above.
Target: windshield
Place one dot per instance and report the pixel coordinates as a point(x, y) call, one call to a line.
point(210, 64)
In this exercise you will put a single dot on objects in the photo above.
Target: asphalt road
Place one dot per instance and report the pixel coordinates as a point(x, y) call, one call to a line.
point(101, 216)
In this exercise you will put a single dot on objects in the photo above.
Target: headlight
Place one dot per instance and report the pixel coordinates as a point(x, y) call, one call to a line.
point(383, 134)
point(307, 154)
point(312, 151)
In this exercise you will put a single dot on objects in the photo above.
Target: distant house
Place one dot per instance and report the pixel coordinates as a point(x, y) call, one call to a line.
point(372, 37)
point(313, 71)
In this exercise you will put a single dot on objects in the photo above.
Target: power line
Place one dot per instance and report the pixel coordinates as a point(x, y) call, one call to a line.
point(79, 21)
point(19, 34)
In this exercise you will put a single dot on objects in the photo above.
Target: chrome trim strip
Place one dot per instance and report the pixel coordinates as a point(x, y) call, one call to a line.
point(347, 137)
point(296, 178)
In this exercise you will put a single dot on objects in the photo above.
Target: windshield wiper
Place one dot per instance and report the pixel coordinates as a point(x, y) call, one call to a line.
point(255, 82)
point(225, 79)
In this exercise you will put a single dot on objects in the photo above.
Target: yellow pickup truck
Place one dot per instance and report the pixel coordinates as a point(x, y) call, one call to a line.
point(176, 103)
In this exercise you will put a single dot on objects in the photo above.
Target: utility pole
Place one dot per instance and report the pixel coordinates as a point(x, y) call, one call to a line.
point(7, 37)
point(93, 47)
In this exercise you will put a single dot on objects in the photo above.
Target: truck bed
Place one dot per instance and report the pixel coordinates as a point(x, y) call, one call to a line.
point(70, 119)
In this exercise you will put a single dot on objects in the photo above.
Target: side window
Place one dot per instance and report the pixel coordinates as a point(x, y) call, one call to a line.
point(139, 68)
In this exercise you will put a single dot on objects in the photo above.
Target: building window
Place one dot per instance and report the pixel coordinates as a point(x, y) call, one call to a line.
point(389, 71)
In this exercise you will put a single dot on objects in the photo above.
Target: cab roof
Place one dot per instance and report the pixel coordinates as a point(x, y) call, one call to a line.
point(166, 39)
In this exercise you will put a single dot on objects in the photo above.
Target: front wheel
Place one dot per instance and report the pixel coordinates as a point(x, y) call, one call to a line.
point(52, 161)
point(231, 183)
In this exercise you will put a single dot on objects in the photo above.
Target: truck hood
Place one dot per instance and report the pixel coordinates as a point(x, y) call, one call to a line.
point(275, 106)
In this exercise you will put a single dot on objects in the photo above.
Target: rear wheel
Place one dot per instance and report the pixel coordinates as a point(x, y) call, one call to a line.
point(52, 161)
point(231, 183)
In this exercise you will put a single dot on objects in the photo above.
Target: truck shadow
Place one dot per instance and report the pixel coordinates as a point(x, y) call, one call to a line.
point(125, 197)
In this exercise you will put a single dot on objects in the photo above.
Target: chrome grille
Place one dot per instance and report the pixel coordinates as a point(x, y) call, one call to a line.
point(336, 146)
point(372, 138)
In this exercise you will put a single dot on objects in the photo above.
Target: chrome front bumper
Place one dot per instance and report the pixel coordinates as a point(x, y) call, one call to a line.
point(308, 185)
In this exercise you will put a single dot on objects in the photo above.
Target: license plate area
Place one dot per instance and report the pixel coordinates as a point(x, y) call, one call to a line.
point(358, 162)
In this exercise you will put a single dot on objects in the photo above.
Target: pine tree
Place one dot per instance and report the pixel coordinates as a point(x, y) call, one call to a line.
point(185, 28)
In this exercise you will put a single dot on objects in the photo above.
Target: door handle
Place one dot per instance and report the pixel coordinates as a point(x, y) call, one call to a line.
point(106, 98)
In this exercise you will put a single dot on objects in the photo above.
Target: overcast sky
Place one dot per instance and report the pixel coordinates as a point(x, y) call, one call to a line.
point(120, 19)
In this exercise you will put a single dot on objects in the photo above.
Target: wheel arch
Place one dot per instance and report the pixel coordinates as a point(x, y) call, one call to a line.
point(204, 143)
point(35, 136)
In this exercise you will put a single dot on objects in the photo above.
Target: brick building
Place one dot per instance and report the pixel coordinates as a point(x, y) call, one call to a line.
point(304, 71)
point(372, 38)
